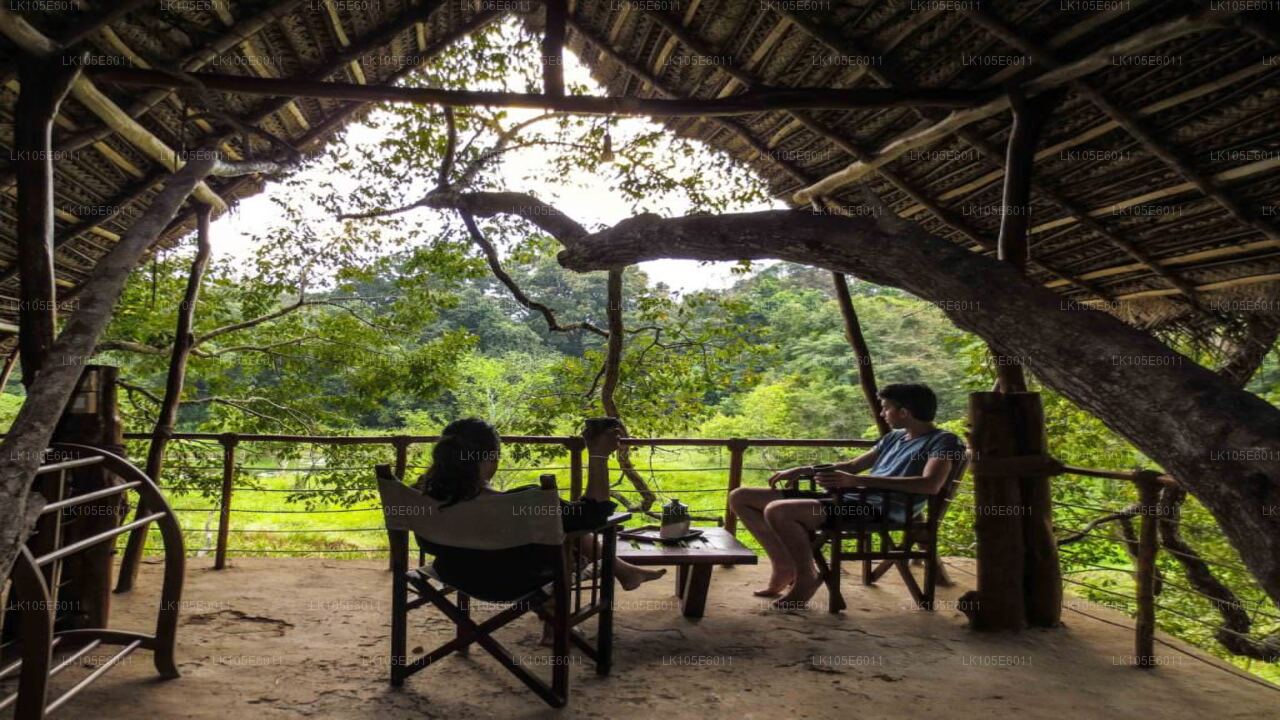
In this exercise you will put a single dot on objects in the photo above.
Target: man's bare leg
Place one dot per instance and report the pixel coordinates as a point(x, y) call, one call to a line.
point(749, 505)
point(793, 522)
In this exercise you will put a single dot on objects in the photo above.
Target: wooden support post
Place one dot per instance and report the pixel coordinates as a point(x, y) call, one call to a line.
point(401, 444)
point(45, 81)
point(997, 528)
point(853, 332)
point(1145, 625)
point(167, 417)
point(576, 447)
point(1042, 570)
point(92, 418)
point(553, 48)
point(5, 373)
point(1019, 580)
point(1015, 210)
point(737, 448)
point(228, 441)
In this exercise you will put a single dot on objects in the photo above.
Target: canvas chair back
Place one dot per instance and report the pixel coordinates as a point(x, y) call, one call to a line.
point(491, 521)
point(941, 502)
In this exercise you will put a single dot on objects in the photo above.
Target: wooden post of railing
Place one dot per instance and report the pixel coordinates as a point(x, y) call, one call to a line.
point(737, 447)
point(1145, 626)
point(401, 443)
point(576, 447)
point(229, 442)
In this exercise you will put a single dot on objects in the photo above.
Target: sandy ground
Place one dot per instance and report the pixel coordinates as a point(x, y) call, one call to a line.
point(290, 638)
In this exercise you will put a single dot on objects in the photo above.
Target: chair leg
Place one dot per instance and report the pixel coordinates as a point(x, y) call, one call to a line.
point(399, 628)
point(835, 600)
point(604, 628)
point(864, 547)
point(930, 579)
point(464, 604)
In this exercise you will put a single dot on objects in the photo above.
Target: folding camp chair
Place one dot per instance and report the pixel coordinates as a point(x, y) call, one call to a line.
point(581, 584)
point(848, 521)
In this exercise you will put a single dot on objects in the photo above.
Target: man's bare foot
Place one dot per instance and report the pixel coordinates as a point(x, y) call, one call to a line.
point(801, 592)
point(778, 584)
point(640, 576)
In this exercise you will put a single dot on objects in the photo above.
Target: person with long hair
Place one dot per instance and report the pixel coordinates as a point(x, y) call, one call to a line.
point(464, 461)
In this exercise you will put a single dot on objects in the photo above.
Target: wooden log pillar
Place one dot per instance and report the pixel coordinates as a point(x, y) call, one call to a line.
point(401, 445)
point(1015, 210)
point(737, 449)
point(553, 47)
point(1145, 621)
point(45, 82)
point(1019, 581)
point(91, 418)
point(167, 417)
point(229, 442)
point(861, 353)
point(998, 602)
point(576, 446)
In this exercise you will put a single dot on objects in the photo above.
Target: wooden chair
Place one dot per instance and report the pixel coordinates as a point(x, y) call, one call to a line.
point(581, 586)
point(919, 540)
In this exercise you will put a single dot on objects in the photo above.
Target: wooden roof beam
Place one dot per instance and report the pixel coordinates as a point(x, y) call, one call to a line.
point(86, 93)
point(1147, 38)
point(340, 33)
point(1188, 259)
point(1127, 120)
point(967, 135)
point(1103, 128)
point(82, 30)
point(193, 61)
point(412, 18)
point(742, 75)
point(652, 81)
point(758, 101)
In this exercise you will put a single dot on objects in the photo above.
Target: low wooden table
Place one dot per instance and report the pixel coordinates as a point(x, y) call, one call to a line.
point(694, 560)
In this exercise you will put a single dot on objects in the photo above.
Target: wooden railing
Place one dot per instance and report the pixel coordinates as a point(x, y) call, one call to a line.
point(1147, 484)
point(574, 445)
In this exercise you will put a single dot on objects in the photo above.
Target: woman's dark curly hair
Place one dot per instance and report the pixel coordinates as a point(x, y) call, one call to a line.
point(454, 475)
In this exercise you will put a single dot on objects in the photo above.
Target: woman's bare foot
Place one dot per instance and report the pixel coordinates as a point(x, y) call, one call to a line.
point(801, 592)
point(639, 576)
point(778, 584)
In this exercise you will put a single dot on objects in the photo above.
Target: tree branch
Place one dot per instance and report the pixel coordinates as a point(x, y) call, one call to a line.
point(491, 257)
point(1174, 411)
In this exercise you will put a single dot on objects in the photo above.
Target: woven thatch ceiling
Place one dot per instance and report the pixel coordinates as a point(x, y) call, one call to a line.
point(1157, 178)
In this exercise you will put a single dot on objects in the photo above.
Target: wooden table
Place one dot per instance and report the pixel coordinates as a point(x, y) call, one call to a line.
point(694, 560)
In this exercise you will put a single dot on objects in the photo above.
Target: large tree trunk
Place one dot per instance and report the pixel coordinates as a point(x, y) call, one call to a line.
point(23, 447)
point(1221, 442)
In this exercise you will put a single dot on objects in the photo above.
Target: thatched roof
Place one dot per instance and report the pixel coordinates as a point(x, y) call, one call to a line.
point(1157, 179)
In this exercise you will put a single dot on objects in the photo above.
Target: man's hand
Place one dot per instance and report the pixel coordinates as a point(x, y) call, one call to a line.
point(837, 479)
point(789, 477)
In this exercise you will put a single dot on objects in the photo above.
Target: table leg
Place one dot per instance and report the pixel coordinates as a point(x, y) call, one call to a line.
point(694, 598)
point(682, 578)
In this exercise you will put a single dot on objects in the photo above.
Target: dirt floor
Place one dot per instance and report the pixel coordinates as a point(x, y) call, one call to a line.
point(287, 638)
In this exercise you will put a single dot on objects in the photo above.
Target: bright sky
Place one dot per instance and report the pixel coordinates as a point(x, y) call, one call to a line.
point(592, 202)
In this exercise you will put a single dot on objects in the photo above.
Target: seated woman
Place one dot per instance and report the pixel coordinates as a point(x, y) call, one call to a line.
point(915, 458)
point(462, 464)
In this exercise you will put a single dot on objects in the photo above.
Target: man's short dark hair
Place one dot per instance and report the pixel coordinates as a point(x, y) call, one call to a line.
point(917, 398)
